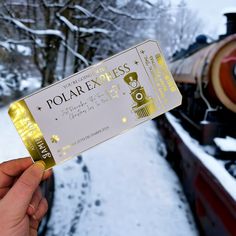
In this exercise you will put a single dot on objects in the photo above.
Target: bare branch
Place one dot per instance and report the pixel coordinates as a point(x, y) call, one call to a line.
point(32, 31)
point(148, 3)
point(75, 53)
point(68, 23)
point(52, 5)
point(122, 13)
point(23, 41)
point(20, 3)
point(74, 28)
point(94, 30)
point(83, 10)
point(25, 20)
point(88, 14)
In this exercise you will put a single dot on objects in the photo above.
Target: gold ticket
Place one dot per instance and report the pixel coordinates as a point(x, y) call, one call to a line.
point(64, 119)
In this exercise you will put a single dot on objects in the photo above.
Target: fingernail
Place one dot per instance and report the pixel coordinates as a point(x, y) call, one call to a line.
point(32, 206)
point(31, 209)
point(34, 217)
point(41, 164)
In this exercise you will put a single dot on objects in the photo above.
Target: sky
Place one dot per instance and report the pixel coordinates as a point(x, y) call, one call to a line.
point(211, 12)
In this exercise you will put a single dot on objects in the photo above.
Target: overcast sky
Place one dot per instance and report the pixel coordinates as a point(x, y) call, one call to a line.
point(211, 11)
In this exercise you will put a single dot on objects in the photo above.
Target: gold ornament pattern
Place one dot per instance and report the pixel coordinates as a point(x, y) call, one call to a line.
point(55, 138)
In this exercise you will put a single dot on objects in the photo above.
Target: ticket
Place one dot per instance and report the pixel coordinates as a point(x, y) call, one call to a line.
point(70, 116)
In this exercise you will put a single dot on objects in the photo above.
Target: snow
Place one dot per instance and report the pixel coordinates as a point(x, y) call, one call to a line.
point(119, 12)
point(5, 45)
point(71, 26)
point(121, 187)
point(25, 51)
point(83, 10)
point(11, 145)
point(76, 54)
point(123, 13)
point(99, 30)
point(93, 30)
point(227, 144)
point(30, 84)
point(37, 32)
point(26, 85)
point(130, 190)
point(214, 166)
point(4, 89)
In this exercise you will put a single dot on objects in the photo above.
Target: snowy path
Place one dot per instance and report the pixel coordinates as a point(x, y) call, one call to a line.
point(11, 145)
point(119, 188)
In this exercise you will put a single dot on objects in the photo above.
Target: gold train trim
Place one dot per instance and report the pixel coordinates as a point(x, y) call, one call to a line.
point(30, 133)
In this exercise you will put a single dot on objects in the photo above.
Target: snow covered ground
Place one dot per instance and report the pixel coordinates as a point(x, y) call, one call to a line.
point(227, 144)
point(216, 167)
point(121, 187)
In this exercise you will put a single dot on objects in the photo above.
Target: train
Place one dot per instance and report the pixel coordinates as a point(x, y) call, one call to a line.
point(197, 132)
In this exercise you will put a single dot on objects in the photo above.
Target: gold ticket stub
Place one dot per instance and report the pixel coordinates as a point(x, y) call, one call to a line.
point(64, 119)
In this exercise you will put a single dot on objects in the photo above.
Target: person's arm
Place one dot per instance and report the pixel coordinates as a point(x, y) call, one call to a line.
point(22, 205)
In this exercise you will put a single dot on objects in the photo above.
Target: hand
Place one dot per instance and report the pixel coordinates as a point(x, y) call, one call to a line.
point(22, 205)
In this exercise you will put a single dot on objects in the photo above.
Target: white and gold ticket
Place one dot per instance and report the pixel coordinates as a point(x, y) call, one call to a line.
point(64, 119)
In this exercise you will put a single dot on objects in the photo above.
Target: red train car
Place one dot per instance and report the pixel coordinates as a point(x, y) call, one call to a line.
point(206, 76)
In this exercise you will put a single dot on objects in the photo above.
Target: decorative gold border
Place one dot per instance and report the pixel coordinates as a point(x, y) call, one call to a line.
point(30, 133)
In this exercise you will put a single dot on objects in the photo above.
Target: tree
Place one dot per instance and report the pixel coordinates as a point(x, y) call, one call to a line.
point(67, 35)
point(177, 27)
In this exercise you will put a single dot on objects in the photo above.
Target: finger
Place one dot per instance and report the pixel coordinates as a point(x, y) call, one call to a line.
point(22, 191)
point(4, 191)
point(11, 169)
point(41, 211)
point(34, 227)
point(7, 177)
point(15, 167)
point(37, 197)
point(47, 174)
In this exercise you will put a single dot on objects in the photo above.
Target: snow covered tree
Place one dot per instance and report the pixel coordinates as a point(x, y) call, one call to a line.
point(67, 35)
point(177, 26)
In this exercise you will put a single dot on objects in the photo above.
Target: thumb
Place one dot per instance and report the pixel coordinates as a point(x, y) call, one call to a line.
point(20, 195)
